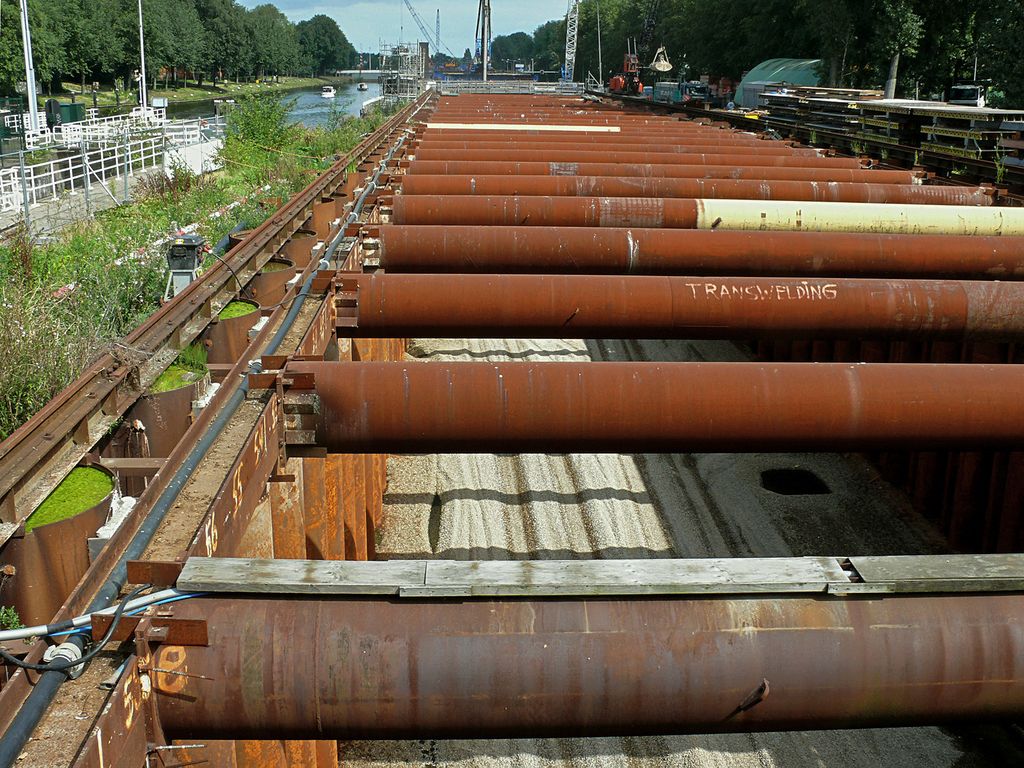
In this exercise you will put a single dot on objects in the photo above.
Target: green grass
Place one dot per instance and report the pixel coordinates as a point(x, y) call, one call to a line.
point(237, 309)
point(191, 91)
point(83, 488)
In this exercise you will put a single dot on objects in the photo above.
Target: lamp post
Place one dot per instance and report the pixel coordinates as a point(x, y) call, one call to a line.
point(142, 61)
point(30, 69)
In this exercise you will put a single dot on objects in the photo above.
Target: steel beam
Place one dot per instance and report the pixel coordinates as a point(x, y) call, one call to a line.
point(592, 306)
point(385, 669)
point(600, 250)
point(655, 170)
point(732, 189)
point(663, 407)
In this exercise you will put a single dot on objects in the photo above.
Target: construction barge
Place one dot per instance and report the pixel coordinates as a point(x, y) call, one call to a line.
point(788, 379)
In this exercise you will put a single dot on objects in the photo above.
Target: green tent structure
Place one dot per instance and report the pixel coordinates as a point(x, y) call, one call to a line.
point(774, 72)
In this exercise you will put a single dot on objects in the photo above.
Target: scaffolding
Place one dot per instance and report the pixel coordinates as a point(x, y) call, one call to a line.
point(403, 72)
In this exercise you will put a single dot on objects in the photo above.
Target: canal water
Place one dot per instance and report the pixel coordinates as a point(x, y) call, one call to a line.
point(309, 108)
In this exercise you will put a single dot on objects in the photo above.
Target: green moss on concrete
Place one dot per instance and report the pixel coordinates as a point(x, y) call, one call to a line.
point(236, 309)
point(275, 266)
point(85, 487)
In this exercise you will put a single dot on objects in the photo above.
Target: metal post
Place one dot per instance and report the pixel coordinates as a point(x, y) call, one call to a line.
point(600, 61)
point(142, 61)
point(30, 70)
point(85, 181)
point(127, 149)
point(24, 191)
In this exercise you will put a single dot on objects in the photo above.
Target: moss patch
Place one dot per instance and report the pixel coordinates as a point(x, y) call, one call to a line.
point(175, 377)
point(275, 266)
point(83, 488)
point(236, 309)
point(187, 368)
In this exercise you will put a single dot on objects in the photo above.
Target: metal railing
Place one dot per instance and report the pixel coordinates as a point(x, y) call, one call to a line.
point(454, 87)
point(99, 158)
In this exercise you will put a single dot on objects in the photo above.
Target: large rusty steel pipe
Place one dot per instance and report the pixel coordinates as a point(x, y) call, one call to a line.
point(663, 407)
point(596, 140)
point(386, 669)
point(651, 170)
point(704, 213)
point(733, 189)
point(608, 250)
point(691, 147)
point(591, 306)
point(570, 155)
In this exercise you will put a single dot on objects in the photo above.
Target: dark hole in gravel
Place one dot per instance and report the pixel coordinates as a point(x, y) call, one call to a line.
point(793, 482)
point(434, 523)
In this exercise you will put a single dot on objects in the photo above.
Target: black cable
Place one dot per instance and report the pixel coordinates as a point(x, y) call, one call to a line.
point(233, 274)
point(64, 666)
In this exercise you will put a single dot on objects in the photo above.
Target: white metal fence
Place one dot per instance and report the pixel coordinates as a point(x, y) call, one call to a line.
point(97, 158)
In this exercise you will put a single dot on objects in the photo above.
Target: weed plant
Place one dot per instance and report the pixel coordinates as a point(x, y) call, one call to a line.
point(63, 302)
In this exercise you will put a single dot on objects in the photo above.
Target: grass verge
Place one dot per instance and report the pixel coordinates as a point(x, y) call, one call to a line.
point(64, 302)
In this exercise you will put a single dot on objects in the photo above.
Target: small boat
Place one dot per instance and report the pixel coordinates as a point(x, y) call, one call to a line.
point(363, 87)
point(328, 92)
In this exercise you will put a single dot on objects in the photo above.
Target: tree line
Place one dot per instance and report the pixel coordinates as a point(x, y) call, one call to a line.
point(935, 43)
point(98, 40)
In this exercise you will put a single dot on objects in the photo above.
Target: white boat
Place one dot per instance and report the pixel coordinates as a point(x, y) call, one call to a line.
point(363, 87)
point(328, 92)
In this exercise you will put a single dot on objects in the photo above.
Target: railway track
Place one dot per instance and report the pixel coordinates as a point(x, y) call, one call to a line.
point(314, 505)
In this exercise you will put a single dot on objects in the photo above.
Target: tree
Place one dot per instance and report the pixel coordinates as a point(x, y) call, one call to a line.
point(228, 38)
point(323, 46)
point(275, 48)
point(899, 33)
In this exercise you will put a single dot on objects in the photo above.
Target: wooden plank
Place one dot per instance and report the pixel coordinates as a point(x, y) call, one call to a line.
point(599, 578)
point(602, 578)
point(937, 573)
point(314, 577)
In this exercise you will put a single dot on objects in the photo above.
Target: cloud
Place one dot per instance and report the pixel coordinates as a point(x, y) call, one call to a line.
point(368, 22)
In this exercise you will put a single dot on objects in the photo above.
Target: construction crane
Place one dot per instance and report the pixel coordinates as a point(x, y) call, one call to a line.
point(572, 22)
point(425, 30)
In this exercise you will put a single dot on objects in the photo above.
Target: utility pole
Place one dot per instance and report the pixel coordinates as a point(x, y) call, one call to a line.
point(142, 68)
point(437, 33)
point(600, 63)
point(30, 69)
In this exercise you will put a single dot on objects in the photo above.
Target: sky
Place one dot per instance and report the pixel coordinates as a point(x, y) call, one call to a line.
point(367, 22)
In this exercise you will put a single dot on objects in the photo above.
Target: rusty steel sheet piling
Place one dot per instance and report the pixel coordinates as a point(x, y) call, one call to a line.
point(592, 306)
point(379, 668)
point(734, 189)
point(654, 170)
point(663, 407)
point(602, 250)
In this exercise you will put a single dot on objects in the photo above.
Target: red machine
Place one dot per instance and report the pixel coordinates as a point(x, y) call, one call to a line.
point(628, 81)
